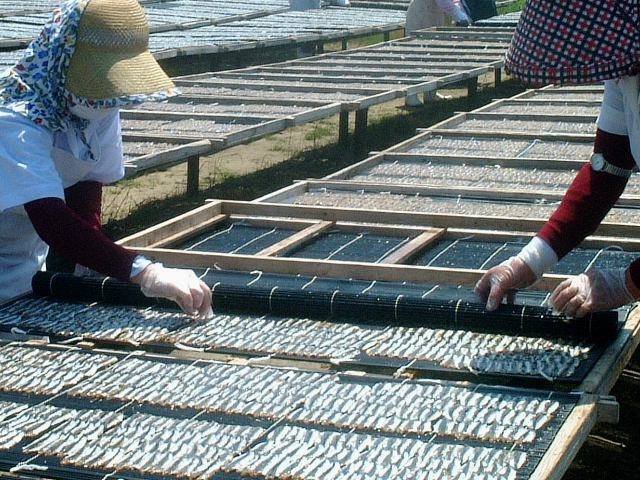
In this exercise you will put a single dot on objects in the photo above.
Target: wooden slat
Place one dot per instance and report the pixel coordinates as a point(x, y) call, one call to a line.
point(297, 239)
point(174, 155)
point(414, 246)
point(515, 135)
point(332, 268)
point(189, 232)
point(163, 230)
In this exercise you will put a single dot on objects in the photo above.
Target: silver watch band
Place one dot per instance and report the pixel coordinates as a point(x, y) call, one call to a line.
point(600, 164)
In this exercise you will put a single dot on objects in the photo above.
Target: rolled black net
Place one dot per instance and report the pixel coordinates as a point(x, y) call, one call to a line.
point(383, 303)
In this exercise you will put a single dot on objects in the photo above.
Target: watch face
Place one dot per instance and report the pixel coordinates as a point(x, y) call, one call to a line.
point(597, 162)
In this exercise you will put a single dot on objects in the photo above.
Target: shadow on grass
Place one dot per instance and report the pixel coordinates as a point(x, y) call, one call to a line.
point(316, 163)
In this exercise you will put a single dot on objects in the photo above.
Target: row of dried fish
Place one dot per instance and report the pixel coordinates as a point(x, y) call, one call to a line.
point(30, 422)
point(323, 399)
point(8, 409)
point(43, 371)
point(457, 349)
point(500, 147)
point(538, 126)
point(160, 445)
point(273, 93)
point(429, 409)
point(281, 336)
point(93, 321)
point(483, 352)
point(466, 175)
point(293, 452)
point(259, 392)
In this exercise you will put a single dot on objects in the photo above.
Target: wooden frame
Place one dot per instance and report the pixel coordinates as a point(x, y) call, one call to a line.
point(311, 221)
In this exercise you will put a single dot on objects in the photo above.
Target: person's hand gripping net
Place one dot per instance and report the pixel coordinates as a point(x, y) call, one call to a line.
point(503, 281)
point(595, 290)
point(180, 285)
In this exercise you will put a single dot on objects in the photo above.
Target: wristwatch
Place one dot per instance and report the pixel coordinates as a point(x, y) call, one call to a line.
point(600, 164)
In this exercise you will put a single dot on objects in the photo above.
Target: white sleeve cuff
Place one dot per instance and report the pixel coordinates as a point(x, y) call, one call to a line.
point(139, 264)
point(538, 255)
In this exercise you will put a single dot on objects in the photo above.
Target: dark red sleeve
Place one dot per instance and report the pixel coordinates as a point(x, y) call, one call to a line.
point(70, 236)
point(590, 196)
point(85, 199)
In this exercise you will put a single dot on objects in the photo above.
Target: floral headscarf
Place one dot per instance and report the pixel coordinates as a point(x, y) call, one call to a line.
point(35, 85)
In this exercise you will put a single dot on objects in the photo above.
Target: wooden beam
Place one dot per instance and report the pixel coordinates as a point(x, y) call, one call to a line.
point(158, 233)
point(296, 239)
point(414, 246)
point(331, 268)
point(190, 232)
point(426, 219)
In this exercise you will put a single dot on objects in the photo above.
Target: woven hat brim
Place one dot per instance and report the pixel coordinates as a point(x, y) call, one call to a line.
point(100, 75)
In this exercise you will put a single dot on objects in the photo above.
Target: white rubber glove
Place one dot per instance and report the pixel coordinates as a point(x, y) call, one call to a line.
point(503, 281)
point(594, 291)
point(182, 286)
point(460, 18)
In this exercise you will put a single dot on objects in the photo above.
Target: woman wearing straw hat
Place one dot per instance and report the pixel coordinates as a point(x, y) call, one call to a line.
point(61, 142)
point(579, 42)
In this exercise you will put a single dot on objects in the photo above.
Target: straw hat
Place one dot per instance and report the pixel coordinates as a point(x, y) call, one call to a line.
point(111, 57)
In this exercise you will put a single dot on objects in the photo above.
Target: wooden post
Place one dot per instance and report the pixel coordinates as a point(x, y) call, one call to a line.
point(193, 175)
point(472, 86)
point(343, 128)
point(360, 131)
point(498, 76)
point(345, 44)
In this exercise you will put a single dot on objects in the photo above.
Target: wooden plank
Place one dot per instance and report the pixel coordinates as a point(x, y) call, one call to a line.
point(189, 232)
point(434, 190)
point(161, 231)
point(567, 441)
point(414, 246)
point(296, 240)
point(459, 191)
point(530, 116)
point(365, 78)
point(512, 135)
point(331, 268)
point(603, 376)
point(511, 162)
point(430, 219)
point(279, 87)
point(147, 115)
point(178, 154)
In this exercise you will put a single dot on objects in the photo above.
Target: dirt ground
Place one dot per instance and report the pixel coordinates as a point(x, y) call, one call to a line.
point(311, 151)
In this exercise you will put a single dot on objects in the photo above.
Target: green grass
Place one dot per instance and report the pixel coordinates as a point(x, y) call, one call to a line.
point(514, 7)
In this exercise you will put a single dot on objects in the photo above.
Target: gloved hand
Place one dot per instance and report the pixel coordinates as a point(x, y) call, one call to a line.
point(593, 291)
point(503, 281)
point(182, 286)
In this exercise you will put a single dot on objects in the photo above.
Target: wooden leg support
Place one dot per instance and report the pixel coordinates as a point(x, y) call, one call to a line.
point(193, 175)
point(472, 86)
point(360, 131)
point(498, 76)
point(343, 128)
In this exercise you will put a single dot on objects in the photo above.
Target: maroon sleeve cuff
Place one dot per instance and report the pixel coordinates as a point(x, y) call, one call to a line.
point(77, 240)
